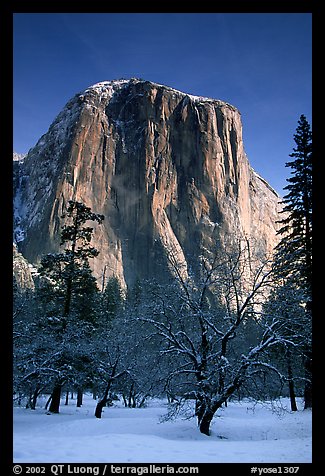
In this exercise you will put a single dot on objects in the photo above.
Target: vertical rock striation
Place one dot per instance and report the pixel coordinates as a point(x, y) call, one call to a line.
point(167, 169)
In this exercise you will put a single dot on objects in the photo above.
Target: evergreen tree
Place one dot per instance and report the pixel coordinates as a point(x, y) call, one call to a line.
point(36, 346)
point(295, 248)
point(112, 298)
point(293, 258)
point(76, 238)
point(70, 290)
point(286, 305)
point(68, 273)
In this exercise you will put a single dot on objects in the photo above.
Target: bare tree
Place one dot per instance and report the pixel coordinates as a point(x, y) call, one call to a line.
point(110, 368)
point(200, 328)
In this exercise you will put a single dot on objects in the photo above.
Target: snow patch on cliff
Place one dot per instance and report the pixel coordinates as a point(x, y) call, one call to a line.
point(105, 89)
point(108, 88)
point(18, 157)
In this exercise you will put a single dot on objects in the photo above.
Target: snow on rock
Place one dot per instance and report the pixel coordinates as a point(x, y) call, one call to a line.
point(107, 88)
point(18, 157)
point(22, 270)
point(242, 432)
point(158, 164)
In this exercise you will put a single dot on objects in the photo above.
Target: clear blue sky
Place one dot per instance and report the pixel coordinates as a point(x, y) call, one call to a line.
point(259, 62)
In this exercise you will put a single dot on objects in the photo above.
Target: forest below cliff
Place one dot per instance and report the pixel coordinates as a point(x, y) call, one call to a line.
point(239, 329)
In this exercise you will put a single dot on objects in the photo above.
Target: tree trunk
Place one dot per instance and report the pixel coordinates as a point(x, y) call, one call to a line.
point(292, 397)
point(125, 400)
point(79, 397)
point(99, 407)
point(55, 400)
point(105, 399)
point(199, 410)
point(308, 382)
point(205, 422)
point(143, 401)
point(130, 405)
point(48, 402)
point(34, 398)
point(291, 384)
point(204, 416)
point(66, 398)
point(29, 402)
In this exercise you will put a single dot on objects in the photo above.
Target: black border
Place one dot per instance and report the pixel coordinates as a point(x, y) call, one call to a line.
point(6, 81)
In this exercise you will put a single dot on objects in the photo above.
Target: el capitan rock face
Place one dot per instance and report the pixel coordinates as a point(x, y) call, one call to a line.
point(21, 271)
point(167, 170)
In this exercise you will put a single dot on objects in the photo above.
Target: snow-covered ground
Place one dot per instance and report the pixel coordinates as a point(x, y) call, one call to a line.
point(241, 433)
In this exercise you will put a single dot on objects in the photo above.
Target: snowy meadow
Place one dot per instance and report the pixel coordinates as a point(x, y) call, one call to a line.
point(244, 432)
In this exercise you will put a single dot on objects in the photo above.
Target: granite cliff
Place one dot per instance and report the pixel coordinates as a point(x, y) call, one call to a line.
point(22, 272)
point(167, 170)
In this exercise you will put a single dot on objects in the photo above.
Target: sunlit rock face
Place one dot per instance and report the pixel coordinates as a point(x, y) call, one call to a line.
point(21, 271)
point(167, 170)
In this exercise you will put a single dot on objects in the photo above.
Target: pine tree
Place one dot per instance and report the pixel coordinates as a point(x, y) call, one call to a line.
point(76, 238)
point(286, 304)
point(293, 258)
point(69, 285)
point(295, 248)
point(112, 298)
